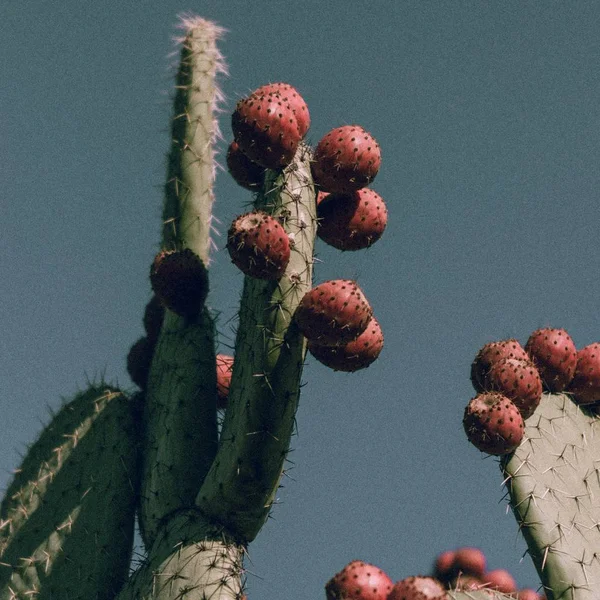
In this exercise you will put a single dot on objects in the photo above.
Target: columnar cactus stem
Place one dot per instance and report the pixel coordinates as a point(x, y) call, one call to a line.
point(553, 479)
point(181, 427)
point(269, 355)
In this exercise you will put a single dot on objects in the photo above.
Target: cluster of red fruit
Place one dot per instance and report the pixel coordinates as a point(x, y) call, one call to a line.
point(510, 380)
point(463, 569)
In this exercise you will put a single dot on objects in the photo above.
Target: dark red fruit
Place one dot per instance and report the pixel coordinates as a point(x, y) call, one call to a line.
point(154, 313)
point(488, 355)
point(266, 129)
point(139, 360)
point(418, 588)
point(333, 313)
point(518, 380)
point(351, 221)
point(554, 354)
point(180, 280)
point(224, 371)
point(346, 159)
point(355, 355)
point(246, 173)
point(585, 386)
point(258, 245)
point(359, 580)
point(493, 424)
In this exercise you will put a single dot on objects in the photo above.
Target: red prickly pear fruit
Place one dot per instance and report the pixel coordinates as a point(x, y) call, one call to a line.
point(290, 95)
point(493, 424)
point(488, 355)
point(346, 159)
point(258, 245)
point(585, 385)
point(224, 370)
point(334, 312)
point(154, 313)
point(518, 380)
point(351, 221)
point(555, 356)
point(442, 567)
point(246, 173)
point(418, 588)
point(139, 360)
point(355, 355)
point(470, 561)
point(180, 280)
point(359, 580)
point(500, 580)
point(528, 594)
point(266, 130)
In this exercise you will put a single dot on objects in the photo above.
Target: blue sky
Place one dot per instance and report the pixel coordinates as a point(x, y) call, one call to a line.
point(488, 118)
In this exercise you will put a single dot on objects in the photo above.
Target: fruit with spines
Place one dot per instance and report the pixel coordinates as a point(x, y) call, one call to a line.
point(469, 560)
point(359, 580)
point(493, 424)
point(519, 380)
point(500, 580)
point(418, 588)
point(266, 129)
point(555, 356)
point(346, 159)
point(334, 312)
point(351, 221)
point(224, 371)
point(245, 172)
point(356, 354)
point(491, 353)
point(290, 95)
point(585, 385)
point(180, 280)
point(258, 245)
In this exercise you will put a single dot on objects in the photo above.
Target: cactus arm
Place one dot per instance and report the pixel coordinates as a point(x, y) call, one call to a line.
point(553, 480)
point(269, 355)
point(68, 515)
point(181, 423)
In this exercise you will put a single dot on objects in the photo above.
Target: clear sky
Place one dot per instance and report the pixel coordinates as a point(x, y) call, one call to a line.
point(488, 117)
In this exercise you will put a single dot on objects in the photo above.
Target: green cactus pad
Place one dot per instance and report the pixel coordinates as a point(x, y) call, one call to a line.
point(67, 519)
point(553, 479)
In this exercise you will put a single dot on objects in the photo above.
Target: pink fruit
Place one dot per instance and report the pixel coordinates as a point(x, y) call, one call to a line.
point(245, 172)
point(585, 386)
point(355, 355)
point(334, 312)
point(266, 130)
point(418, 588)
point(493, 424)
point(154, 314)
point(359, 580)
point(346, 159)
point(293, 98)
point(518, 380)
point(554, 354)
point(444, 562)
point(528, 594)
point(351, 221)
point(224, 370)
point(180, 280)
point(139, 360)
point(470, 561)
point(491, 353)
point(500, 580)
point(258, 245)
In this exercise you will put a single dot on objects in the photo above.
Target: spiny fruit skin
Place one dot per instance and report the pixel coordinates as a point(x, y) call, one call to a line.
point(224, 370)
point(334, 312)
point(258, 245)
point(500, 580)
point(359, 580)
point(418, 588)
point(351, 221)
point(346, 159)
point(266, 129)
point(555, 355)
point(290, 95)
point(180, 280)
point(585, 386)
point(355, 355)
point(154, 314)
point(493, 424)
point(139, 360)
point(491, 353)
point(518, 380)
point(245, 173)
